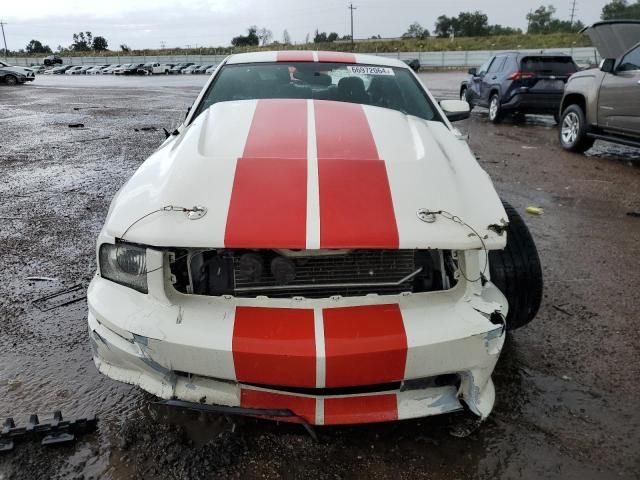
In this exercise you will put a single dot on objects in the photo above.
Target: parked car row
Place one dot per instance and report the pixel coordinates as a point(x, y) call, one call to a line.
point(151, 68)
point(599, 103)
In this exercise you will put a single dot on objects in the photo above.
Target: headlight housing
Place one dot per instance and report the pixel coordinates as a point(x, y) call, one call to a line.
point(124, 264)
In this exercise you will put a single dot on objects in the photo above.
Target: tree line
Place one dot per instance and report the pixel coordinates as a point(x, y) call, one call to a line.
point(542, 20)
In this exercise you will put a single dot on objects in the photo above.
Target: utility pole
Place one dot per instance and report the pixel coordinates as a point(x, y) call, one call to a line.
point(2, 24)
point(573, 11)
point(352, 8)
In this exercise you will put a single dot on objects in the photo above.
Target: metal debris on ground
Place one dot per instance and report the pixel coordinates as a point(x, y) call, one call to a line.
point(54, 432)
point(60, 298)
point(76, 125)
point(146, 129)
point(41, 279)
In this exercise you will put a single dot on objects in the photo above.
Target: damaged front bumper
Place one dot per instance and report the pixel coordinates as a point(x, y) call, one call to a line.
point(330, 361)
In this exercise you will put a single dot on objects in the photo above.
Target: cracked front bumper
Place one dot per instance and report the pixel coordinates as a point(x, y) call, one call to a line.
point(331, 361)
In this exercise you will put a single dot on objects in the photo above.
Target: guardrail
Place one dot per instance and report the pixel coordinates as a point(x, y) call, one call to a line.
point(445, 59)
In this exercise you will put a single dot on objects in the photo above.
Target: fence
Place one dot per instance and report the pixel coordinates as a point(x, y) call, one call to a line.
point(446, 59)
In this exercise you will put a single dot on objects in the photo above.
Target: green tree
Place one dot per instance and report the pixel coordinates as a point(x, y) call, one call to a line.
point(415, 30)
point(35, 46)
point(320, 37)
point(286, 38)
point(542, 21)
point(620, 9)
point(250, 39)
point(445, 26)
point(332, 37)
point(125, 48)
point(99, 44)
point(82, 41)
point(472, 24)
point(466, 24)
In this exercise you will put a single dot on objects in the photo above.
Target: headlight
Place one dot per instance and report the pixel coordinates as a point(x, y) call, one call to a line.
point(124, 264)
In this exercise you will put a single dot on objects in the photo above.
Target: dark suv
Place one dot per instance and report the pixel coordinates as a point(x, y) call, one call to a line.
point(519, 83)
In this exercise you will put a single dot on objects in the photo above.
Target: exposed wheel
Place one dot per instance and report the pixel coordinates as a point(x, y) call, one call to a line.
point(573, 130)
point(11, 80)
point(495, 114)
point(516, 271)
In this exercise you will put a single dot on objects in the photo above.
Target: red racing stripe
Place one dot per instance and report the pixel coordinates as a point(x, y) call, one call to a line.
point(274, 346)
point(302, 406)
point(364, 345)
point(336, 57)
point(295, 56)
point(361, 409)
point(268, 206)
point(356, 209)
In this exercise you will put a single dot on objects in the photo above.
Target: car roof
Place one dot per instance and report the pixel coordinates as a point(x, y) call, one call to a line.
point(330, 57)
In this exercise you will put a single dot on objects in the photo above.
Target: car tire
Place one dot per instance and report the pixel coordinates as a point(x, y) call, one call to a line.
point(517, 272)
point(572, 130)
point(495, 113)
point(11, 80)
point(464, 96)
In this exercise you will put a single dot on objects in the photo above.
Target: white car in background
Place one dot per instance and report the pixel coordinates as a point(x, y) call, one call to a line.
point(110, 69)
point(96, 69)
point(316, 240)
point(211, 69)
point(191, 69)
point(75, 70)
point(156, 68)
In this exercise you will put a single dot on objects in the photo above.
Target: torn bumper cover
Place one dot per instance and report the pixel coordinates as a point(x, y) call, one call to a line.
point(330, 361)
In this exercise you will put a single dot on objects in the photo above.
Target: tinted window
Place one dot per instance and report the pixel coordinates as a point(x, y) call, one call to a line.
point(386, 87)
point(549, 65)
point(631, 61)
point(497, 65)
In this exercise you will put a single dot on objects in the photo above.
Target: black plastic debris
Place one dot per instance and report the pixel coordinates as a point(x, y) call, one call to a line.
point(76, 125)
point(145, 129)
point(60, 298)
point(54, 432)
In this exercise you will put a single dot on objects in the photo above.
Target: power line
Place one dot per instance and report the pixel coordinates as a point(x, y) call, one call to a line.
point(2, 24)
point(573, 11)
point(352, 8)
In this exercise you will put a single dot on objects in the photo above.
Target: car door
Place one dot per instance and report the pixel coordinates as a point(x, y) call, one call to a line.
point(475, 85)
point(619, 99)
point(491, 78)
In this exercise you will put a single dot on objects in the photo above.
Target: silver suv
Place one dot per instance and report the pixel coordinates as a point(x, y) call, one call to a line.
point(604, 103)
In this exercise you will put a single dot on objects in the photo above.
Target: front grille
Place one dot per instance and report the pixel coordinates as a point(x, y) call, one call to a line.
point(311, 274)
point(354, 273)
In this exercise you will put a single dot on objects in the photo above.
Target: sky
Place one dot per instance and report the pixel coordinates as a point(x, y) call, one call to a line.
point(180, 23)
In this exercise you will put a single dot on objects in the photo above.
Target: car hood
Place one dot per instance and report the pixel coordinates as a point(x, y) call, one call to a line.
point(615, 37)
point(310, 175)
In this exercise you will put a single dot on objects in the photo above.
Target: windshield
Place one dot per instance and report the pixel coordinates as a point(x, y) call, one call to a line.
point(549, 65)
point(387, 87)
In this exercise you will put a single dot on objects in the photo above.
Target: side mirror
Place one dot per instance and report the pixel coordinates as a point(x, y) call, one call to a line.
point(455, 110)
point(473, 71)
point(608, 65)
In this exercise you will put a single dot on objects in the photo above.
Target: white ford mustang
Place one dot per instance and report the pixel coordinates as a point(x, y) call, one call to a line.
point(314, 242)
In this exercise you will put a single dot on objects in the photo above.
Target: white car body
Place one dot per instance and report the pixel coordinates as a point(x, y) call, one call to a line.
point(76, 70)
point(235, 350)
point(157, 68)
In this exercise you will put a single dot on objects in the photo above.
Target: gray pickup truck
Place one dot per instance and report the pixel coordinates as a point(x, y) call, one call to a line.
point(604, 103)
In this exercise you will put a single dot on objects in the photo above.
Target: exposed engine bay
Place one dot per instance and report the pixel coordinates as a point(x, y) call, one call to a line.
point(286, 273)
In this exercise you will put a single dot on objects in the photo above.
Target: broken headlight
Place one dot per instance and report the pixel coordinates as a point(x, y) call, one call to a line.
point(124, 264)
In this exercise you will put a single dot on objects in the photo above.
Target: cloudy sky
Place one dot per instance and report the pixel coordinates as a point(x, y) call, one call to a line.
point(178, 23)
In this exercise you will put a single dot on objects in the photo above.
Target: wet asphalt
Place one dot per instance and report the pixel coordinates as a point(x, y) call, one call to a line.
point(566, 385)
